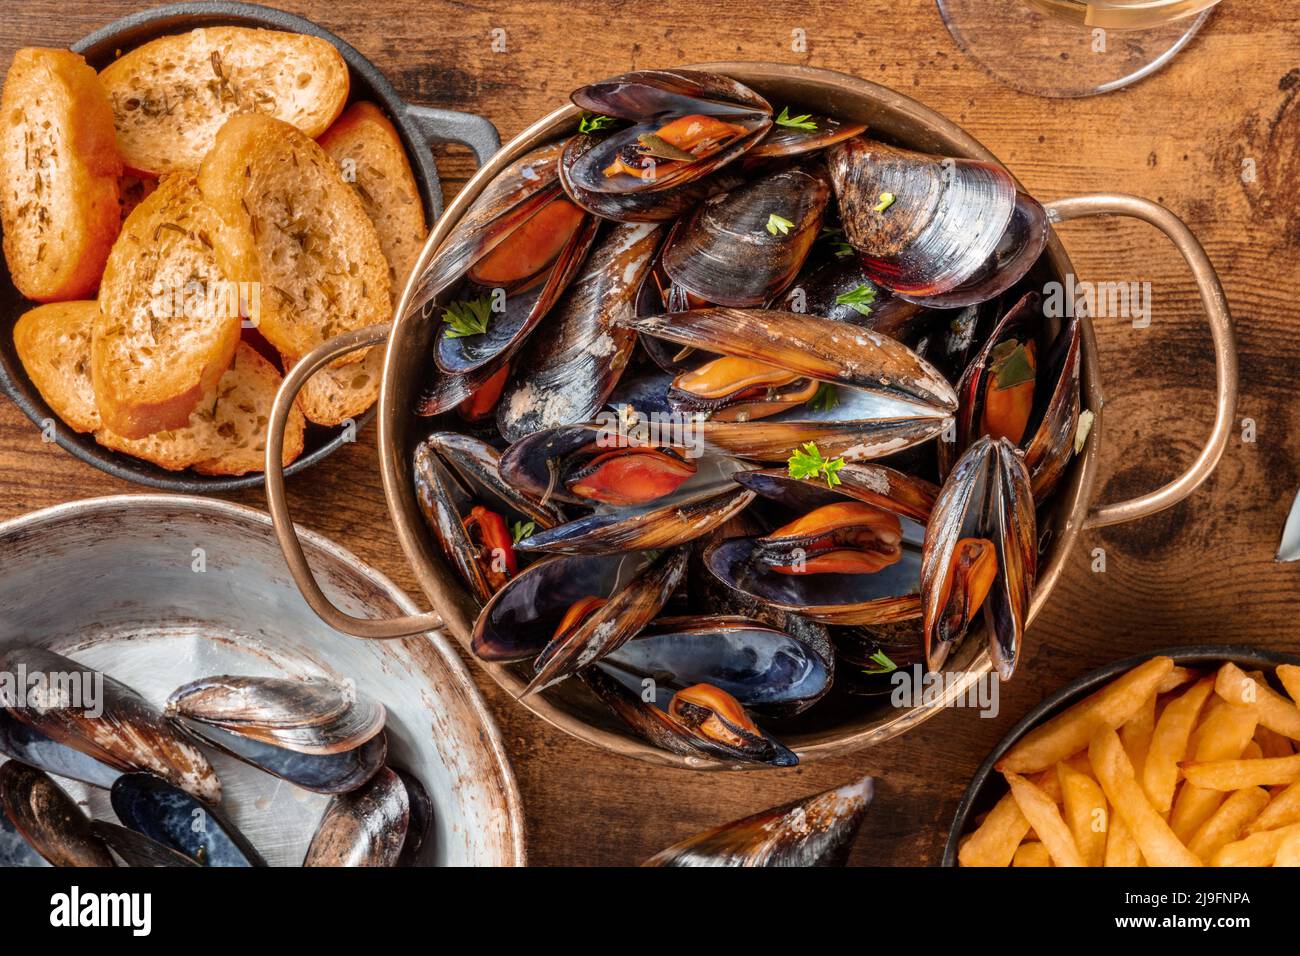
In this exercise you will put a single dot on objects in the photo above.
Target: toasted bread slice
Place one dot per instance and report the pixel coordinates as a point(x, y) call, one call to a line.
point(171, 96)
point(133, 190)
point(226, 435)
point(293, 227)
point(169, 321)
point(58, 175)
point(369, 153)
point(53, 343)
point(336, 394)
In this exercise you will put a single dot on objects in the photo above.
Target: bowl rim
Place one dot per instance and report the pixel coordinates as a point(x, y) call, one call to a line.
point(1080, 688)
point(453, 601)
point(32, 523)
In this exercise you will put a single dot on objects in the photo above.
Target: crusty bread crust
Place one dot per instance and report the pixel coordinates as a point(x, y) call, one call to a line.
point(58, 175)
point(226, 434)
point(291, 225)
point(53, 343)
point(169, 321)
point(172, 95)
point(336, 394)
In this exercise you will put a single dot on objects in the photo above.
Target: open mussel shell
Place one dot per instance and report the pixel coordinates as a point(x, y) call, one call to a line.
point(950, 232)
point(605, 629)
point(136, 849)
point(809, 134)
point(653, 98)
point(109, 722)
point(737, 740)
point(366, 827)
point(988, 498)
point(884, 397)
point(565, 376)
point(29, 745)
point(745, 246)
point(42, 814)
point(814, 831)
point(887, 594)
point(168, 815)
point(767, 670)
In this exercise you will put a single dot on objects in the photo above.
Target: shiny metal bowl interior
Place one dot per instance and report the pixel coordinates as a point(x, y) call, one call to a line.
point(115, 583)
point(890, 116)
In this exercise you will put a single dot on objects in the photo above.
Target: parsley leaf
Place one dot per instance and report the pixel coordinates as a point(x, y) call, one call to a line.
point(883, 664)
point(594, 123)
point(809, 463)
point(825, 399)
point(779, 224)
point(522, 529)
point(860, 300)
point(795, 122)
point(839, 245)
point(886, 200)
point(467, 317)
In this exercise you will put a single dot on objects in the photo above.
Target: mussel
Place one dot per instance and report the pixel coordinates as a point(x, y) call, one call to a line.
point(89, 712)
point(980, 555)
point(367, 827)
point(814, 831)
point(314, 733)
point(801, 133)
point(945, 232)
point(37, 812)
point(179, 822)
point(27, 744)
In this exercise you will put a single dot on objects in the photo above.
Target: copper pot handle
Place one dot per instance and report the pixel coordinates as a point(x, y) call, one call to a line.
point(1225, 348)
point(278, 504)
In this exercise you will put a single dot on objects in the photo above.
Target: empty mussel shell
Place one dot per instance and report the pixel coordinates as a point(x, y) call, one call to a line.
point(41, 813)
point(96, 715)
point(168, 815)
point(366, 827)
point(814, 831)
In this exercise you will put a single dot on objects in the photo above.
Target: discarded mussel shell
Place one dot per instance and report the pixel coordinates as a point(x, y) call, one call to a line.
point(881, 397)
point(1024, 386)
point(745, 246)
point(366, 827)
point(699, 721)
point(169, 816)
point(946, 232)
point(29, 745)
point(110, 723)
point(314, 733)
point(136, 849)
point(688, 124)
point(980, 555)
point(39, 811)
point(472, 511)
point(766, 670)
point(565, 376)
point(814, 831)
point(803, 133)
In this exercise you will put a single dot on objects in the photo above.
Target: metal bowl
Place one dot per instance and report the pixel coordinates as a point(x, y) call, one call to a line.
point(158, 590)
point(419, 126)
point(891, 116)
point(984, 791)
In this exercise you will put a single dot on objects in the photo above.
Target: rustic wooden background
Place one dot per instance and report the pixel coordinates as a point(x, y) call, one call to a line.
point(1203, 571)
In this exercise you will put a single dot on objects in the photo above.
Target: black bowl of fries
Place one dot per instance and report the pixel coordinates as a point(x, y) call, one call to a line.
point(1180, 757)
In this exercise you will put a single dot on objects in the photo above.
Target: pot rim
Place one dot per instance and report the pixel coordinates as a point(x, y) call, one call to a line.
point(33, 521)
point(1081, 687)
point(454, 602)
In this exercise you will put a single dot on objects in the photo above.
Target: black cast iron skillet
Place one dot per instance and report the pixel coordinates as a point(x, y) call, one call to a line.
point(986, 786)
point(419, 126)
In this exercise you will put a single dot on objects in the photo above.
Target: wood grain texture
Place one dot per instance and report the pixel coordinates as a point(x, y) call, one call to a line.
point(1203, 571)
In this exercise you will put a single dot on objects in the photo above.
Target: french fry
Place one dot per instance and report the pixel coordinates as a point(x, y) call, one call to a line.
point(1258, 849)
point(1169, 744)
point(1253, 751)
point(1272, 744)
point(1175, 679)
point(1114, 772)
point(1032, 854)
point(1289, 675)
point(1239, 774)
point(1135, 734)
point(1228, 822)
point(1121, 848)
point(1275, 712)
point(994, 842)
point(1070, 731)
point(1222, 734)
point(1282, 810)
point(1041, 812)
point(1085, 813)
point(1288, 854)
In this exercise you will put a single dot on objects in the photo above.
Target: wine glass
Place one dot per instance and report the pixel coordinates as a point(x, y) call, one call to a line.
point(1073, 47)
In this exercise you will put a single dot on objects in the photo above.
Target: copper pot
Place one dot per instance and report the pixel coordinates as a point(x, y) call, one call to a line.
point(892, 116)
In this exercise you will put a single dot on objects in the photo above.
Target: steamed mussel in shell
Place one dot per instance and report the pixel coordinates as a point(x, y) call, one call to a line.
point(782, 421)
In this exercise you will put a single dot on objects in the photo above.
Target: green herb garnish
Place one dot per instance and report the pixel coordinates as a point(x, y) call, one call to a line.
point(839, 245)
point(522, 529)
point(884, 664)
point(660, 148)
point(860, 300)
point(467, 317)
point(886, 200)
point(825, 399)
point(809, 463)
point(795, 122)
point(1010, 364)
point(779, 224)
point(595, 123)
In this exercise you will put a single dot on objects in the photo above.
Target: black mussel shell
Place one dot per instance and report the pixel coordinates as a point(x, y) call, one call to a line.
point(41, 813)
point(29, 745)
point(170, 816)
point(136, 849)
point(366, 827)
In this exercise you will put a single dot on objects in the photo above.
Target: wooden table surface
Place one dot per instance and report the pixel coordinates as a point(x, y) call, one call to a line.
point(1203, 571)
